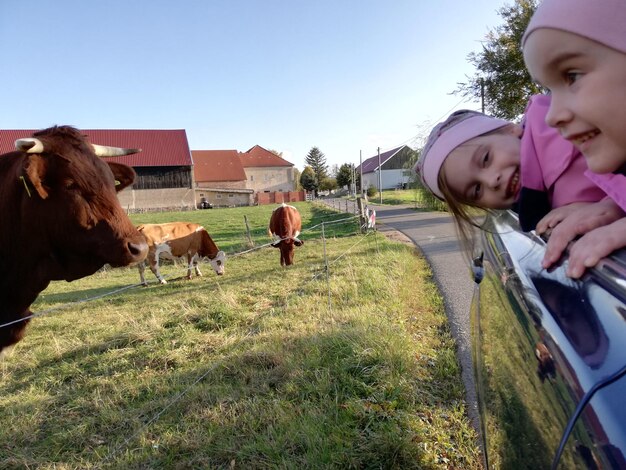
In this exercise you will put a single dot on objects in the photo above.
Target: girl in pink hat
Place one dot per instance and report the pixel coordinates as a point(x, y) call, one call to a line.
point(472, 160)
point(577, 50)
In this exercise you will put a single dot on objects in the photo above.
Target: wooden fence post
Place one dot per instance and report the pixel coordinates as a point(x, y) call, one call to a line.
point(362, 217)
point(245, 218)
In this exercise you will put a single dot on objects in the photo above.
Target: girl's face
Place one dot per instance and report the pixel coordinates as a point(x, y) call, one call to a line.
point(587, 81)
point(484, 171)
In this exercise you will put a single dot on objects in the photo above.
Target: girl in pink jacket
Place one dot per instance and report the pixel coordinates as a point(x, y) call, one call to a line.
point(472, 160)
point(577, 49)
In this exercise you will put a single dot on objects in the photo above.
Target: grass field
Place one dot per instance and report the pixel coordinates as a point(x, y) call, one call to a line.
point(264, 367)
point(417, 197)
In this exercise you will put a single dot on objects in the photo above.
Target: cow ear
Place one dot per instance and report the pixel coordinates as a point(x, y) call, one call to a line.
point(298, 242)
point(36, 171)
point(124, 175)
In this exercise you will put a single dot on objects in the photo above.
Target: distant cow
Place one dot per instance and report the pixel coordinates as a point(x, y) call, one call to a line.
point(285, 226)
point(175, 240)
point(61, 218)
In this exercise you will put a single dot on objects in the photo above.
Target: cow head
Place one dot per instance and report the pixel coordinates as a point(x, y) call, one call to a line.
point(209, 249)
point(72, 204)
point(286, 247)
point(218, 262)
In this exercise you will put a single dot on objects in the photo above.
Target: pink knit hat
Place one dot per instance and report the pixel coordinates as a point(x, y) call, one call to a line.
point(461, 126)
point(603, 21)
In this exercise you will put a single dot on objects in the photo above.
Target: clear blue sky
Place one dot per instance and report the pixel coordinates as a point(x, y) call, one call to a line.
point(342, 75)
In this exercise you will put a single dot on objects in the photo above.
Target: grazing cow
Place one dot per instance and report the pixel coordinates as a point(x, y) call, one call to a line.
point(545, 363)
point(61, 219)
point(175, 240)
point(285, 226)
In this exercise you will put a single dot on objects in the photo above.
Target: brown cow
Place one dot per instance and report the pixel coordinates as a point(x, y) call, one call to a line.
point(285, 226)
point(62, 219)
point(175, 240)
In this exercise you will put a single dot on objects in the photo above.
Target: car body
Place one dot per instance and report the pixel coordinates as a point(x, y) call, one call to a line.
point(549, 355)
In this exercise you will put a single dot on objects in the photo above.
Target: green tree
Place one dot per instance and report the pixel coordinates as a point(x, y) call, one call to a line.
point(308, 180)
point(296, 177)
point(501, 77)
point(317, 161)
point(328, 184)
point(344, 175)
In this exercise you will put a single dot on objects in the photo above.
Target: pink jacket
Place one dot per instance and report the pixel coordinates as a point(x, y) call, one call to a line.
point(552, 169)
point(613, 185)
point(550, 163)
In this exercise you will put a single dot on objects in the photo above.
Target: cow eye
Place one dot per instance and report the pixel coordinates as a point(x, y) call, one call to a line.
point(71, 184)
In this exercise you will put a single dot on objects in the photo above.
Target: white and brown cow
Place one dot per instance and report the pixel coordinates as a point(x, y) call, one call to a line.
point(61, 219)
point(174, 240)
point(285, 226)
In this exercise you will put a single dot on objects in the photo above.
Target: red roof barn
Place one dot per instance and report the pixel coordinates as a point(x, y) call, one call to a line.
point(164, 164)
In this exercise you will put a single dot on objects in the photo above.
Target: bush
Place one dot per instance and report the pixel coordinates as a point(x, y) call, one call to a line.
point(372, 191)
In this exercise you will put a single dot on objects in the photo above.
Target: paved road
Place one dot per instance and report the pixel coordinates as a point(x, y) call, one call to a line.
point(433, 233)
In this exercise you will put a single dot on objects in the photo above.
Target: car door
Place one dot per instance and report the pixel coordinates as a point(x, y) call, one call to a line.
point(542, 346)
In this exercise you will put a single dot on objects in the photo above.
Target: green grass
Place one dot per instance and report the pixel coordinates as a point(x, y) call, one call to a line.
point(253, 369)
point(419, 198)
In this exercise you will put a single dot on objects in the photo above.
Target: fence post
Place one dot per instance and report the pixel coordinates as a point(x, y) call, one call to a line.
point(362, 218)
point(245, 218)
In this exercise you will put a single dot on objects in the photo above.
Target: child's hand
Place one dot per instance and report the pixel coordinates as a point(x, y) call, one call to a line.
point(556, 216)
point(595, 245)
point(579, 222)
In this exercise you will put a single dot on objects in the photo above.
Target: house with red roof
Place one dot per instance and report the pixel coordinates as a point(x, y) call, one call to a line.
point(267, 172)
point(232, 178)
point(170, 176)
point(394, 168)
point(220, 178)
point(164, 166)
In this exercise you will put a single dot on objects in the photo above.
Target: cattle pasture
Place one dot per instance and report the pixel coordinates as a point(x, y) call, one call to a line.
point(252, 369)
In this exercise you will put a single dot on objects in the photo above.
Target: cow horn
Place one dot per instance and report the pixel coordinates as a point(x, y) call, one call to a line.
point(105, 151)
point(29, 145)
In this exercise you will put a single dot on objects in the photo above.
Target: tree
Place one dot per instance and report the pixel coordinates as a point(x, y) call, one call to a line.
point(328, 184)
point(296, 178)
point(344, 175)
point(502, 77)
point(317, 161)
point(308, 180)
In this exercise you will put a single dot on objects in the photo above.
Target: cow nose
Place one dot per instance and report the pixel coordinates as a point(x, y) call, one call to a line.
point(138, 251)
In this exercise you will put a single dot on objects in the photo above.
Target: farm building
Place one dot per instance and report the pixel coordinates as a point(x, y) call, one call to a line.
point(164, 166)
point(220, 178)
point(266, 171)
point(170, 176)
point(232, 178)
point(395, 165)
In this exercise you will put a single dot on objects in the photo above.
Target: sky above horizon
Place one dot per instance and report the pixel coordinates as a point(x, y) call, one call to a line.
point(346, 76)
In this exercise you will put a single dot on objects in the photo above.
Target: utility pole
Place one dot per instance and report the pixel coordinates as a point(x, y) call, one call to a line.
point(380, 178)
point(361, 172)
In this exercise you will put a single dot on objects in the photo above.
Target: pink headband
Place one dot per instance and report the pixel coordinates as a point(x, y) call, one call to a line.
point(460, 127)
point(603, 21)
